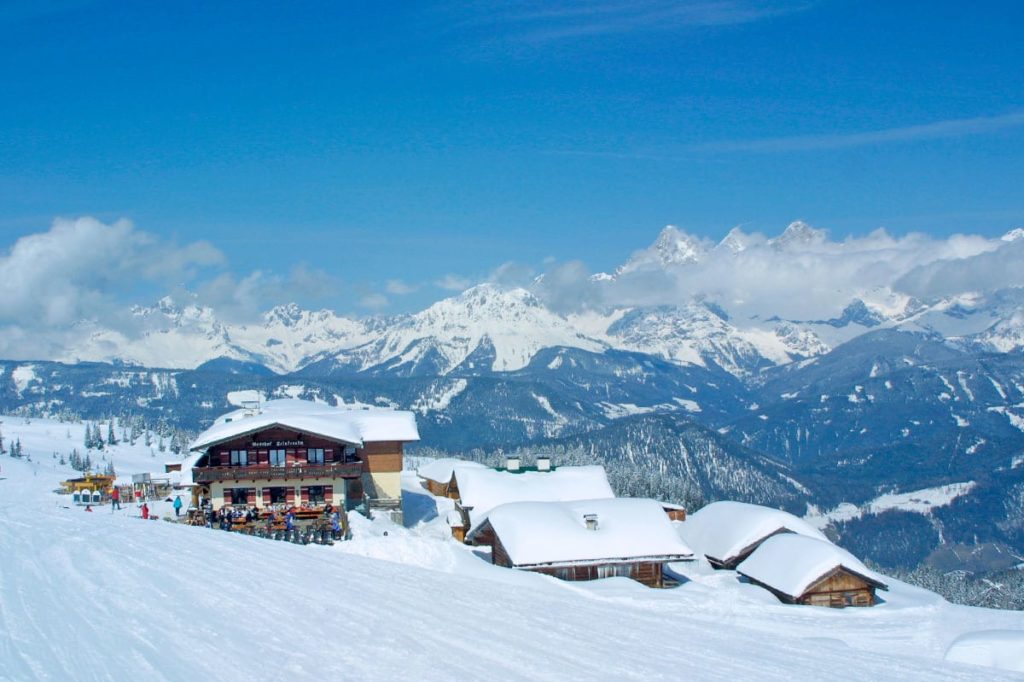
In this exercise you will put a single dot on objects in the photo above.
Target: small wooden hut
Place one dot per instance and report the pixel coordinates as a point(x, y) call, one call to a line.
point(584, 539)
point(802, 570)
point(482, 489)
point(726, 533)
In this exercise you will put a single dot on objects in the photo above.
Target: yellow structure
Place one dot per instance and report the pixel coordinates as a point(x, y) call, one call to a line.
point(88, 482)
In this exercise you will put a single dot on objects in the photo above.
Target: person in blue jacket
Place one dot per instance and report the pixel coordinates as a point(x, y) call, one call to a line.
point(177, 505)
point(289, 520)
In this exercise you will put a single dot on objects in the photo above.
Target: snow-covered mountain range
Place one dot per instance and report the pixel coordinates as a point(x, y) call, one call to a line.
point(684, 299)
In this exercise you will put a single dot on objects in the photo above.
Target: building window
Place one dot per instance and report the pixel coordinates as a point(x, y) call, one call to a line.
point(277, 458)
point(315, 455)
point(278, 495)
point(316, 493)
point(237, 495)
point(239, 458)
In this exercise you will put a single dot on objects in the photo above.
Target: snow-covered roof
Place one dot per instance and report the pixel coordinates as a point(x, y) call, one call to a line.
point(791, 563)
point(724, 530)
point(441, 470)
point(350, 426)
point(482, 489)
point(185, 475)
point(556, 533)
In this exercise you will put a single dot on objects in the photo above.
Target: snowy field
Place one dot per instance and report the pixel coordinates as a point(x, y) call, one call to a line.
point(104, 595)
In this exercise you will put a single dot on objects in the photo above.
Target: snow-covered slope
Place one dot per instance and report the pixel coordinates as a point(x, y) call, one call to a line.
point(98, 595)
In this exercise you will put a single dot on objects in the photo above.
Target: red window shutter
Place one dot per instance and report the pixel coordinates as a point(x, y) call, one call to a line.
point(266, 496)
point(263, 457)
point(250, 496)
point(289, 496)
point(305, 495)
point(328, 455)
point(329, 494)
point(225, 458)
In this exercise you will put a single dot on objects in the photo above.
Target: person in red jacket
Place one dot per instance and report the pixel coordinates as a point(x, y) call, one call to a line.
point(115, 498)
point(145, 510)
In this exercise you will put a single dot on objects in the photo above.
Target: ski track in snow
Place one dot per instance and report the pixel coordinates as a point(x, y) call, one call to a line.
point(97, 596)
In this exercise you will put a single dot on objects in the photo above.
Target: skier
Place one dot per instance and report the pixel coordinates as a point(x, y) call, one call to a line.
point(115, 499)
point(177, 505)
point(145, 510)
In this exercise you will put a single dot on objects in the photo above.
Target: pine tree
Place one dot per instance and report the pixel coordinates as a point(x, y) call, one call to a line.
point(111, 438)
point(161, 447)
point(2, 444)
point(61, 461)
point(97, 436)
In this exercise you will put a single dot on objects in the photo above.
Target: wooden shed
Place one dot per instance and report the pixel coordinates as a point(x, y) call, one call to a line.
point(726, 533)
point(483, 489)
point(802, 570)
point(438, 476)
point(583, 540)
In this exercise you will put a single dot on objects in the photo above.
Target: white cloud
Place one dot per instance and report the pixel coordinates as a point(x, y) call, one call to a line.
point(374, 301)
point(76, 269)
point(399, 288)
point(959, 127)
point(453, 283)
point(811, 279)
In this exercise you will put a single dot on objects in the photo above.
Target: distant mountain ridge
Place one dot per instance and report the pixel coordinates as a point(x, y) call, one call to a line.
point(490, 328)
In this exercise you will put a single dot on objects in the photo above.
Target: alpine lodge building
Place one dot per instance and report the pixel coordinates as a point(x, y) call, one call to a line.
point(296, 453)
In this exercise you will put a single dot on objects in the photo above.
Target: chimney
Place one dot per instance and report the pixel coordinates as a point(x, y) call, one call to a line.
point(543, 463)
point(512, 464)
point(591, 521)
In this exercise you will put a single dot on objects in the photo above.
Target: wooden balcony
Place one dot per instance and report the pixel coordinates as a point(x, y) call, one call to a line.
point(269, 473)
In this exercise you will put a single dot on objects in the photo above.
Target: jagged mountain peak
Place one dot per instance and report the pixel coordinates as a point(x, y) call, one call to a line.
point(1013, 235)
point(672, 248)
point(797, 234)
point(287, 314)
point(736, 241)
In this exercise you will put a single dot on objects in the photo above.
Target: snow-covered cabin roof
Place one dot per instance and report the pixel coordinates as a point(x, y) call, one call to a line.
point(791, 563)
point(482, 489)
point(346, 425)
point(556, 533)
point(185, 475)
point(441, 470)
point(724, 531)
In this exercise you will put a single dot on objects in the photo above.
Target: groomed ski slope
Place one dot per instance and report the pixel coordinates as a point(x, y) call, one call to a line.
point(97, 596)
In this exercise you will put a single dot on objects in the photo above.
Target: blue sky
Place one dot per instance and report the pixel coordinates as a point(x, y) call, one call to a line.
point(336, 146)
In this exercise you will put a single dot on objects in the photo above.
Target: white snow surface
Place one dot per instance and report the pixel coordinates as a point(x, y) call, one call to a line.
point(441, 469)
point(351, 426)
point(722, 530)
point(1002, 649)
point(103, 595)
point(485, 489)
point(555, 533)
point(791, 563)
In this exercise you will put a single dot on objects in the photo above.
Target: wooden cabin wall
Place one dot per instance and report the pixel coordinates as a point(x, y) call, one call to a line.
point(648, 573)
point(839, 589)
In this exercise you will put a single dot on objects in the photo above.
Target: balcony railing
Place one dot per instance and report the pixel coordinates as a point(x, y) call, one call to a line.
point(277, 473)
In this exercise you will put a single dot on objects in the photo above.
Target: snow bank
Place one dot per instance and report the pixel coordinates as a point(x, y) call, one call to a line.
point(481, 490)
point(791, 563)
point(556, 533)
point(441, 470)
point(1002, 649)
point(350, 426)
point(724, 531)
